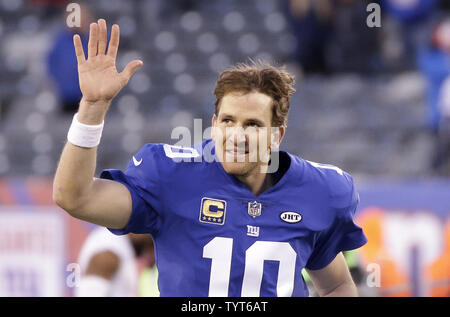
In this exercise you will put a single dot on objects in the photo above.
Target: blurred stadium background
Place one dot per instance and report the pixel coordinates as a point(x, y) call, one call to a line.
point(369, 100)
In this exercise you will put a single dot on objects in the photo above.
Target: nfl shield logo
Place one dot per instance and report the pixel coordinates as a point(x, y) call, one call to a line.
point(254, 209)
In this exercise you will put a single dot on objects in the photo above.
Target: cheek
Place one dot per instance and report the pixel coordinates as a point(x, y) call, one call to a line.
point(253, 141)
point(261, 139)
point(217, 134)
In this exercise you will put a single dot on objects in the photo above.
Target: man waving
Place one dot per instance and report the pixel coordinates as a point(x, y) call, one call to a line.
point(224, 220)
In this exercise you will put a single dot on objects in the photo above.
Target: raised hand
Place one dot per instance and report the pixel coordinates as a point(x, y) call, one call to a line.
point(99, 80)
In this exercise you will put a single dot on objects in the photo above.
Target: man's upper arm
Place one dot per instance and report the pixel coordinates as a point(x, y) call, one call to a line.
point(141, 181)
point(127, 201)
point(332, 276)
point(108, 204)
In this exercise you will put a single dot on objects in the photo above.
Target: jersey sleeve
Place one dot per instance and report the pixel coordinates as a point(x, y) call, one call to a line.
point(343, 234)
point(142, 178)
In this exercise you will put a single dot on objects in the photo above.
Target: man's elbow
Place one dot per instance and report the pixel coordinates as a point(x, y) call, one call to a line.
point(64, 203)
point(70, 203)
point(345, 289)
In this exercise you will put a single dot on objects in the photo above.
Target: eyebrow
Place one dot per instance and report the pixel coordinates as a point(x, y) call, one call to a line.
point(225, 115)
point(229, 116)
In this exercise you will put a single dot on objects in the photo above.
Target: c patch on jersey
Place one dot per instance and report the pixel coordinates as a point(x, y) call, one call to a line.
point(213, 211)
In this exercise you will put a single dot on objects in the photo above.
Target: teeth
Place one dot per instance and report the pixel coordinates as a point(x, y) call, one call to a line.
point(235, 152)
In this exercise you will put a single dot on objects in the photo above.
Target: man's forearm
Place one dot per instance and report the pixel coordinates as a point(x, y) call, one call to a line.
point(92, 113)
point(103, 202)
point(76, 168)
point(347, 289)
point(74, 175)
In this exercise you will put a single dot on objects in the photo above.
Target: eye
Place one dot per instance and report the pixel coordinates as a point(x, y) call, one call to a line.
point(226, 120)
point(253, 124)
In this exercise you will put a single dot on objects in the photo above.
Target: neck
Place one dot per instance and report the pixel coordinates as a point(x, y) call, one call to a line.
point(257, 182)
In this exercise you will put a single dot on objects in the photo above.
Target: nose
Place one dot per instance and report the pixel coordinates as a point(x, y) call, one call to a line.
point(237, 135)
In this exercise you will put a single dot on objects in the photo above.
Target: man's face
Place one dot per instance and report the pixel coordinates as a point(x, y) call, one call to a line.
point(242, 132)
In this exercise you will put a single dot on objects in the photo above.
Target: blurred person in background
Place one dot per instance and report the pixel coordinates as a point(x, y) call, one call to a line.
point(441, 162)
point(445, 5)
point(111, 265)
point(353, 46)
point(414, 18)
point(434, 63)
point(62, 62)
point(311, 24)
point(332, 36)
point(51, 8)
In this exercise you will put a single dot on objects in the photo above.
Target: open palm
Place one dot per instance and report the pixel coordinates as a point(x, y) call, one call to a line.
point(98, 76)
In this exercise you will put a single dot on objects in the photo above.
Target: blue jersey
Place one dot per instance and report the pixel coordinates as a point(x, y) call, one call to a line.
point(214, 237)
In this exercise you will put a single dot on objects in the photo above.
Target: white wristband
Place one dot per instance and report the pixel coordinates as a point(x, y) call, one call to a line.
point(84, 135)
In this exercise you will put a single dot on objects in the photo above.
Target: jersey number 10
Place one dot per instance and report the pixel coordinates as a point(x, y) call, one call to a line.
point(220, 249)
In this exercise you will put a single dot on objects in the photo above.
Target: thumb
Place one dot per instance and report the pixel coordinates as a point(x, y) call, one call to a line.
point(130, 69)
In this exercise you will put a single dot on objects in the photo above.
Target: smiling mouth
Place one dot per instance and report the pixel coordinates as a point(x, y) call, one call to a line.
point(234, 156)
point(235, 152)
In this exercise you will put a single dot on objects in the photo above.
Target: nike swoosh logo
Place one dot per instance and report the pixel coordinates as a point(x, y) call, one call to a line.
point(136, 162)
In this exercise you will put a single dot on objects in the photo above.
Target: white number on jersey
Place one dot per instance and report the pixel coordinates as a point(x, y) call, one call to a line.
point(327, 166)
point(219, 250)
point(186, 152)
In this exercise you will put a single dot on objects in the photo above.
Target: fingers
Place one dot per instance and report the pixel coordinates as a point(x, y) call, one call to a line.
point(130, 69)
point(102, 36)
point(114, 41)
point(98, 39)
point(79, 52)
point(93, 40)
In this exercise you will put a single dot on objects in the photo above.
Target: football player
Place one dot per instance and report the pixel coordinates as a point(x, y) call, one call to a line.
point(224, 222)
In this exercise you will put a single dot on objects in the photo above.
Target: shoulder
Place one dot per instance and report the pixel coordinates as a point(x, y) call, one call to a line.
point(167, 152)
point(166, 157)
point(148, 161)
point(149, 151)
point(335, 183)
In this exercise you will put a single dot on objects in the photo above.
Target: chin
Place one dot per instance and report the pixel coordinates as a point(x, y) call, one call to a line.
point(238, 168)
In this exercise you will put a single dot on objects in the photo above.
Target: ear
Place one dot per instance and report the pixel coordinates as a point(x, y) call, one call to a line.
point(213, 124)
point(276, 136)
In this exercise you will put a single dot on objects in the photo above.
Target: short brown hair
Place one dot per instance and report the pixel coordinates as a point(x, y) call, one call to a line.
point(260, 77)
